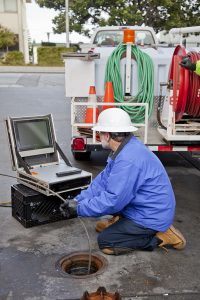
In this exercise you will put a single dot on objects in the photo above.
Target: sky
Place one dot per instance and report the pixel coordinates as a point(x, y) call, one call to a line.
point(39, 23)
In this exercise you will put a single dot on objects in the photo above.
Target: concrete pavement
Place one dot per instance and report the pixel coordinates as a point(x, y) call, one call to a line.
point(28, 256)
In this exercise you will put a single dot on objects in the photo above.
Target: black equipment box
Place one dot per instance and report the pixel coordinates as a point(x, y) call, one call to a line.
point(31, 208)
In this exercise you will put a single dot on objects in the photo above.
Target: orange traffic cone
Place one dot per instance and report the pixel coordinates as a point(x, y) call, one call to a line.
point(89, 110)
point(109, 95)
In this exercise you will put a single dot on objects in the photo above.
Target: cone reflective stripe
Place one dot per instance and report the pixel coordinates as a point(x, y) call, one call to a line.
point(109, 95)
point(89, 110)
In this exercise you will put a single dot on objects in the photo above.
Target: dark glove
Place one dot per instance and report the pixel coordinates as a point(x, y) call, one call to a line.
point(69, 209)
point(187, 64)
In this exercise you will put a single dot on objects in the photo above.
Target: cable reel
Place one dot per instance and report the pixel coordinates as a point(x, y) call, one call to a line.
point(186, 85)
point(193, 99)
point(180, 78)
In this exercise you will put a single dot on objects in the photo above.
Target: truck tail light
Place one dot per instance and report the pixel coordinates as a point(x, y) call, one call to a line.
point(78, 144)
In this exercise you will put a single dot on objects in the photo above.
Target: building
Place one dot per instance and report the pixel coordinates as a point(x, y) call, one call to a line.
point(13, 17)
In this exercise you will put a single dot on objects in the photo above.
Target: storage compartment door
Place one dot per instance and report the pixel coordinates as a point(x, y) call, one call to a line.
point(79, 76)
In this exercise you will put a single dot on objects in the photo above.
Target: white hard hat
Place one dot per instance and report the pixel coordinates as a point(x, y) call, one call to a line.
point(114, 120)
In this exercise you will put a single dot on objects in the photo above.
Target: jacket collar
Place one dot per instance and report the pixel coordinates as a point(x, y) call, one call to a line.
point(113, 155)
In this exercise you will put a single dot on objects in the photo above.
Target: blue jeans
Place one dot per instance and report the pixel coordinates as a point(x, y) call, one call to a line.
point(125, 236)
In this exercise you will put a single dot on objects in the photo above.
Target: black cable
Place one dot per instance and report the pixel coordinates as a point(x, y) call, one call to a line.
point(5, 206)
point(189, 160)
point(33, 182)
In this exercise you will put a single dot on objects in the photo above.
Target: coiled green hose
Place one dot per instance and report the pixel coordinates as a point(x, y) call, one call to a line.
point(145, 92)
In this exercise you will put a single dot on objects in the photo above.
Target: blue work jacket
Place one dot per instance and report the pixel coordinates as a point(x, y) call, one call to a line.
point(135, 184)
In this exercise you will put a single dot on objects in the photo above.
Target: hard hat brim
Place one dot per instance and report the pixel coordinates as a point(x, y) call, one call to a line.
point(114, 129)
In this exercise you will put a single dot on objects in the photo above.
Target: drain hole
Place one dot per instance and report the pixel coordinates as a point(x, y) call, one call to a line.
point(79, 268)
point(76, 265)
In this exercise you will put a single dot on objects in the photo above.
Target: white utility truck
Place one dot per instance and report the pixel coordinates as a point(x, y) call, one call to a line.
point(162, 98)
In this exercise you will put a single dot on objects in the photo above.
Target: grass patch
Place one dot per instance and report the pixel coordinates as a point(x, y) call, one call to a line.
point(13, 58)
point(52, 56)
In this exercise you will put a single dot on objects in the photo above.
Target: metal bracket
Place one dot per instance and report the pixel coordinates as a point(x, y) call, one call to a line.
point(66, 160)
point(24, 164)
point(83, 56)
point(128, 69)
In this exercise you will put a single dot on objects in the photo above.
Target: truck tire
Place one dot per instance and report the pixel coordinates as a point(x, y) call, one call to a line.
point(82, 155)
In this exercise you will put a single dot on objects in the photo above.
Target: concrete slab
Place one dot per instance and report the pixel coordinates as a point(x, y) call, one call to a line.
point(28, 256)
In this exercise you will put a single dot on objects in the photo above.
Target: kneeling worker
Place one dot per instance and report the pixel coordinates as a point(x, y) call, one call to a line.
point(134, 187)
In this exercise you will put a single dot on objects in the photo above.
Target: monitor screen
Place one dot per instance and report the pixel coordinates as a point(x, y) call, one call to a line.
point(32, 134)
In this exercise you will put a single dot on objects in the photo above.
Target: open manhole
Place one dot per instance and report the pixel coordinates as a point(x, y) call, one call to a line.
point(76, 265)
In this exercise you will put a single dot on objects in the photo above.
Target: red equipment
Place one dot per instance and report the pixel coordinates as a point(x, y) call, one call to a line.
point(180, 78)
point(186, 85)
point(193, 99)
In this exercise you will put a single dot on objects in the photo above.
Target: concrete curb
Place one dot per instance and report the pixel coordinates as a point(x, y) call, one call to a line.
point(30, 69)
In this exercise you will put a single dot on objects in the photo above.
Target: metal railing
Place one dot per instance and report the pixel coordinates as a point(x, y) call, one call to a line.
point(97, 104)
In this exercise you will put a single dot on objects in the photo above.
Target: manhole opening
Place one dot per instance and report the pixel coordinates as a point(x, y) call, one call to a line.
point(76, 265)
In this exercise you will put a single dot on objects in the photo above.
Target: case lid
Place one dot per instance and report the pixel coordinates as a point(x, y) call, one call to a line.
point(32, 141)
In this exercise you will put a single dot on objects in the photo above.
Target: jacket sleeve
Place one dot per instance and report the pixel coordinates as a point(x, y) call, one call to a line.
point(197, 71)
point(119, 191)
point(95, 188)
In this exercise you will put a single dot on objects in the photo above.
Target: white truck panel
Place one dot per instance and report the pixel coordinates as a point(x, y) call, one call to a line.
point(161, 59)
point(79, 76)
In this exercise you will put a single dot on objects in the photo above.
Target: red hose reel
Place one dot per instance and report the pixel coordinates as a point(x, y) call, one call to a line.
point(180, 78)
point(186, 85)
point(193, 99)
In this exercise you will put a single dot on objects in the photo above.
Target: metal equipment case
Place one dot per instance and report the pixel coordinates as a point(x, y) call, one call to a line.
point(35, 156)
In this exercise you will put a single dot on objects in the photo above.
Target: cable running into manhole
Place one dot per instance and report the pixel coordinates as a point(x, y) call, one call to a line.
point(76, 265)
point(89, 260)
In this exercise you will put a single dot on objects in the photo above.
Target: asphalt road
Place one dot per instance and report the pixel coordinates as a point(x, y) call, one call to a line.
point(37, 94)
point(28, 256)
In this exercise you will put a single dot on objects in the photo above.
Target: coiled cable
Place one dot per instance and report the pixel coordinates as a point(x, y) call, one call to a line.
point(145, 92)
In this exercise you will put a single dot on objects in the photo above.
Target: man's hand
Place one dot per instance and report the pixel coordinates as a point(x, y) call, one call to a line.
point(187, 64)
point(69, 209)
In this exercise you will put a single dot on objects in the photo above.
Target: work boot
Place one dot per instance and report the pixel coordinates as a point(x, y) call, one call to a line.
point(172, 237)
point(108, 251)
point(116, 251)
point(103, 224)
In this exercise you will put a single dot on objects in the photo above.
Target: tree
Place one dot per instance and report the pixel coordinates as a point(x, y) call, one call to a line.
point(159, 14)
point(7, 38)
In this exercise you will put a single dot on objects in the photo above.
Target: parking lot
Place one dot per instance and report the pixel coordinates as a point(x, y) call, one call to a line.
point(28, 256)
